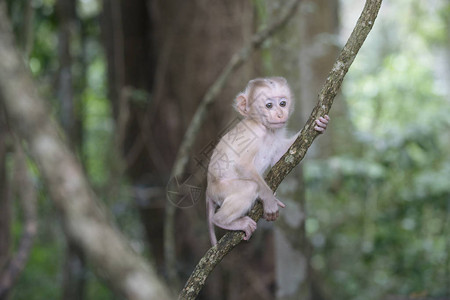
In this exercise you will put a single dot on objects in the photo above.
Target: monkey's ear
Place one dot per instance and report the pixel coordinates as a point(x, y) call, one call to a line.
point(240, 104)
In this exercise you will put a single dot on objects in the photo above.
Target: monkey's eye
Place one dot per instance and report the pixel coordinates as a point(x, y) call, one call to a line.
point(269, 105)
point(283, 103)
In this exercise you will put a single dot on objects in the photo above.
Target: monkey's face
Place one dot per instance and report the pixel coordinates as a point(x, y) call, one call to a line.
point(273, 106)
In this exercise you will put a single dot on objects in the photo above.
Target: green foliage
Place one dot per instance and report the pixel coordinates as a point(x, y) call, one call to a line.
point(97, 122)
point(380, 216)
point(43, 272)
point(42, 278)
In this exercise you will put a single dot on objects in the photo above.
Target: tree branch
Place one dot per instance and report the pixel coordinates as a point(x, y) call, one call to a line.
point(208, 99)
point(86, 220)
point(295, 153)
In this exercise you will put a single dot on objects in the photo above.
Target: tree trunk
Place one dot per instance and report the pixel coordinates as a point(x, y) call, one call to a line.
point(86, 220)
point(171, 52)
point(74, 272)
point(65, 91)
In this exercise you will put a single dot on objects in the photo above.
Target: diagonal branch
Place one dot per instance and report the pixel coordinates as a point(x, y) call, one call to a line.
point(86, 220)
point(295, 153)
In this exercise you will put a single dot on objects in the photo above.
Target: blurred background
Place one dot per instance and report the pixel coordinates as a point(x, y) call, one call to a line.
point(368, 210)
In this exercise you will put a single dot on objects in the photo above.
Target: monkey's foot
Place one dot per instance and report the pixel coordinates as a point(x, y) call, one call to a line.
point(248, 226)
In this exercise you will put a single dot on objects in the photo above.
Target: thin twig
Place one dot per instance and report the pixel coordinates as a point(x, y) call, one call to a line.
point(27, 198)
point(210, 96)
point(26, 38)
point(295, 153)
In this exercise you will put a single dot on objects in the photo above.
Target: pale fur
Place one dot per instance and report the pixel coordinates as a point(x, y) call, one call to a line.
point(243, 154)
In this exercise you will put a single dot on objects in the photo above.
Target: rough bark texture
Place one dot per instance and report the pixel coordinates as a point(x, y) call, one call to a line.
point(86, 221)
point(295, 153)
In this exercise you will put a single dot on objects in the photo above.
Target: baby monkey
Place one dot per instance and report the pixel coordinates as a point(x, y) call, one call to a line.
point(244, 153)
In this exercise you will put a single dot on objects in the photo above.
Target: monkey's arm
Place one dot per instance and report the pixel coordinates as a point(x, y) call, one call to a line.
point(249, 172)
point(270, 202)
point(320, 126)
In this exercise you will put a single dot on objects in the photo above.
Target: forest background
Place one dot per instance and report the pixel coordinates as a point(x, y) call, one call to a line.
point(368, 212)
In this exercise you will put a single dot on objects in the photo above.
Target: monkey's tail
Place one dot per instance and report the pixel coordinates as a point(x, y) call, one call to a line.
point(210, 209)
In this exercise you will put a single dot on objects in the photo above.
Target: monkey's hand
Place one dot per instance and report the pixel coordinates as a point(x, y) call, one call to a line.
point(271, 212)
point(321, 123)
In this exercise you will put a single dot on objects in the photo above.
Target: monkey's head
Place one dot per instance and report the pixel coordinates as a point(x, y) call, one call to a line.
point(268, 101)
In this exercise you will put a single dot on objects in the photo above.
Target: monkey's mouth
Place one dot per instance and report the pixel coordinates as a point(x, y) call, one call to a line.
point(277, 124)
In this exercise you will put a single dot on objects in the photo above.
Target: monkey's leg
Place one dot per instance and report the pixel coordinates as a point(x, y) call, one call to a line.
point(270, 202)
point(262, 189)
point(246, 224)
point(231, 214)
